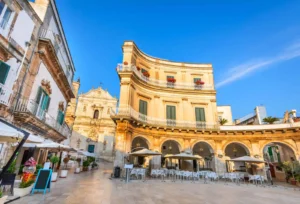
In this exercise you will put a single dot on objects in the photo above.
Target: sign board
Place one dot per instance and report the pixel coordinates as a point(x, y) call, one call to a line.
point(128, 166)
point(47, 165)
point(43, 181)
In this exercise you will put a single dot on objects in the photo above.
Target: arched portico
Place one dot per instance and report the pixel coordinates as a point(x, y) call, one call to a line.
point(236, 149)
point(204, 150)
point(138, 143)
point(170, 147)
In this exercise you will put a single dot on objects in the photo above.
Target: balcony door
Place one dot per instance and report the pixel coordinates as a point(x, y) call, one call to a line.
point(200, 117)
point(171, 115)
point(42, 103)
point(143, 106)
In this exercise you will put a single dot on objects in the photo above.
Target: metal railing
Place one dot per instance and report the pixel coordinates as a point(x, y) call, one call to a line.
point(60, 52)
point(153, 121)
point(162, 83)
point(30, 106)
point(5, 94)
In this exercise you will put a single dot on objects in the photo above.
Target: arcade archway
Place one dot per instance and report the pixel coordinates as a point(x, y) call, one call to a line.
point(204, 150)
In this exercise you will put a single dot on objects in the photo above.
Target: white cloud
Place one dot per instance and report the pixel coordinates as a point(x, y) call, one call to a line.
point(242, 70)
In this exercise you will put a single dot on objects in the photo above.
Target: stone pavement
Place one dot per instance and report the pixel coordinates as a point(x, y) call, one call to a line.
point(96, 187)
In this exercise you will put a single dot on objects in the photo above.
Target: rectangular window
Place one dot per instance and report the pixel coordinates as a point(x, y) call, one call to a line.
point(170, 84)
point(143, 106)
point(91, 148)
point(197, 79)
point(4, 69)
point(143, 70)
point(60, 117)
point(6, 18)
point(1, 6)
point(200, 117)
point(171, 115)
point(42, 103)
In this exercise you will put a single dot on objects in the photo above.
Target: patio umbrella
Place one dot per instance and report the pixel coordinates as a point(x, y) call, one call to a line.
point(85, 153)
point(184, 156)
point(145, 153)
point(248, 159)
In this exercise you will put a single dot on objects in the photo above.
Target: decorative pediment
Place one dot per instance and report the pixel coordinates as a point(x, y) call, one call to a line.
point(46, 86)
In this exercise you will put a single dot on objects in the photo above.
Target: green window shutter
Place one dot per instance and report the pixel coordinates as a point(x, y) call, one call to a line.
point(171, 112)
point(38, 96)
point(47, 103)
point(200, 114)
point(143, 107)
point(170, 77)
point(4, 69)
point(196, 79)
point(60, 117)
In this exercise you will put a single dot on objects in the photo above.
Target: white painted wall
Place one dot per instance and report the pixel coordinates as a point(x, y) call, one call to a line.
point(56, 95)
point(22, 29)
point(225, 112)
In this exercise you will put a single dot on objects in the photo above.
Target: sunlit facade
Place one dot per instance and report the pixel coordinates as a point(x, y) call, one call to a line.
point(172, 107)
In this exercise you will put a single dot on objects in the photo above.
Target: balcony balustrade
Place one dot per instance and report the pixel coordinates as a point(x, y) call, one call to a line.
point(155, 122)
point(60, 53)
point(5, 94)
point(30, 107)
point(161, 83)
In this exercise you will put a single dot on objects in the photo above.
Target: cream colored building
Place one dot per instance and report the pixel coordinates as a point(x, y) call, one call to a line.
point(172, 107)
point(93, 129)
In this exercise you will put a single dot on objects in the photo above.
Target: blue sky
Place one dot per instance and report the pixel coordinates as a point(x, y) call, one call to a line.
point(254, 46)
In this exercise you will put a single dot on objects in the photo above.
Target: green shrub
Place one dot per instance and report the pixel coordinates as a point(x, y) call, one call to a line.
point(12, 168)
point(91, 159)
point(54, 160)
point(26, 184)
point(20, 169)
point(1, 193)
point(38, 167)
point(86, 163)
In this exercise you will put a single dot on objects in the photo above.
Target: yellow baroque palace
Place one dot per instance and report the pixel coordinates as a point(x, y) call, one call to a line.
point(171, 107)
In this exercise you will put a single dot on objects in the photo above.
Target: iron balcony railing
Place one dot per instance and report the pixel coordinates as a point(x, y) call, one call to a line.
point(60, 52)
point(30, 106)
point(162, 83)
point(5, 94)
point(152, 121)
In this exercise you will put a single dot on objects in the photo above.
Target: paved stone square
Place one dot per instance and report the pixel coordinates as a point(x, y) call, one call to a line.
point(95, 187)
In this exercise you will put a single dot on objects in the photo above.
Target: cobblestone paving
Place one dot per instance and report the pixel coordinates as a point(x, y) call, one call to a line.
point(95, 187)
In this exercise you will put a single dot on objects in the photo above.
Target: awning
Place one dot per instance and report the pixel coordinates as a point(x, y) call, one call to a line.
point(48, 144)
point(10, 134)
point(145, 152)
point(247, 159)
point(184, 156)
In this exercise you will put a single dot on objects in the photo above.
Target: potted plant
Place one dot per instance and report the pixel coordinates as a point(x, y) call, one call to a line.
point(171, 80)
point(125, 63)
point(146, 74)
point(77, 170)
point(24, 189)
point(64, 171)
point(199, 82)
point(85, 165)
point(54, 160)
point(2, 197)
point(94, 165)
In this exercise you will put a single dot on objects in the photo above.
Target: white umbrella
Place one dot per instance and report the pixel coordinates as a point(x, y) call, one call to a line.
point(248, 159)
point(85, 153)
point(184, 156)
point(10, 134)
point(145, 152)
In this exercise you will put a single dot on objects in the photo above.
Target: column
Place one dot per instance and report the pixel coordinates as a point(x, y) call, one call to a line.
point(219, 157)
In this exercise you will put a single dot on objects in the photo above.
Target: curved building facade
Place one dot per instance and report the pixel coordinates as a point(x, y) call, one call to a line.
point(172, 107)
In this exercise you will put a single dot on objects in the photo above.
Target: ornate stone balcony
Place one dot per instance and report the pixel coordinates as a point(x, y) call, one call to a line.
point(161, 83)
point(29, 114)
point(129, 112)
point(5, 94)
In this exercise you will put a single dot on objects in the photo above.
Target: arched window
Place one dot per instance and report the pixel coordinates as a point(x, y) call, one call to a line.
point(96, 114)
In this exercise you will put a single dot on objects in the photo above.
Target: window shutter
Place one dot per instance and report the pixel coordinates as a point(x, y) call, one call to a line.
point(168, 112)
point(47, 103)
point(145, 108)
point(38, 96)
point(4, 69)
point(196, 79)
point(173, 113)
point(200, 114)
point(170, 77)
point(60, 117)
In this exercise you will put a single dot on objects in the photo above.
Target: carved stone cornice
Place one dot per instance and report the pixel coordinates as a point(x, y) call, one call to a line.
point(49, 57)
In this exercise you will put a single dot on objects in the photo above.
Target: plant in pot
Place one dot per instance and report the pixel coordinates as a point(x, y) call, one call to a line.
point(2, 197)
point(91, 161)
point(77, 170)
point(64, 171)
point(85, 165)
point(54, 160)
point(94, 165)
